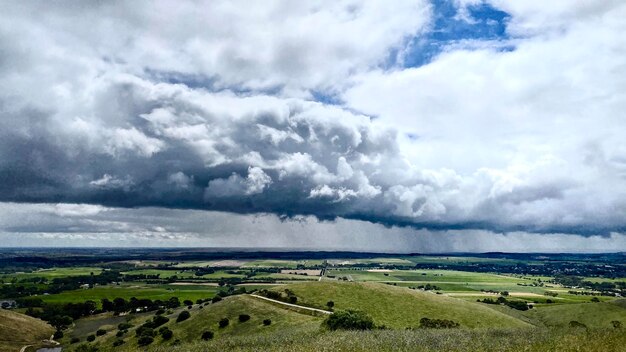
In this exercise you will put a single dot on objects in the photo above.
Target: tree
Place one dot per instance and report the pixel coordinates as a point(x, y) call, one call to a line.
point(216, 299)
point(207, 335)
point(57, 335)
point(166, 333)
point(267, 322)
point(184, 315)
point(101, 332)
point(145, 340)
point(188, 302)
point(91, 338)
point(330, 305)
point(224, 322)
point(243, 318)
point(173, 302)
point(349, 320)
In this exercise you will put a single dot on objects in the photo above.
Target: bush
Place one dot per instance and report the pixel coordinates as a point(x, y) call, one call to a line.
point(166, 333)
point(118, 342)
point(595, 300)
point(576, 324)
point(330, 304)
point(224, 322)
point(349, 320)
point(158, 320)
point(243, 318)
point(145, 331)
point(75, 340)
point(426, 323)
point(124, 326)
point(216, 299)
point(120, 333)
point(267, 322)
point(91, 338)
point(145, 340)
point(207, 335)
point(101, 332)
point(188, 302)
point(58, 335)
point(616, 324)
point(160, 312)
point(184, 315)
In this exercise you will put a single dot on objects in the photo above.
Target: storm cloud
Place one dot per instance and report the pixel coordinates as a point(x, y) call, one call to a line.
point(293, 109)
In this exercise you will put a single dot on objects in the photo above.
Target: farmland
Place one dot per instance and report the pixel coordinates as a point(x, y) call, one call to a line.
point(520, 297)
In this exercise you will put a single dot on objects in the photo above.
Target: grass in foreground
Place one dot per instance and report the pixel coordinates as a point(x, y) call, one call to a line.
point(503, 340)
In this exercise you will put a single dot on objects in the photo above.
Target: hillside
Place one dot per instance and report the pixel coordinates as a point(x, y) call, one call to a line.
point(397, 307)
point(17, 330)
point(596, 315)
point(207, 319)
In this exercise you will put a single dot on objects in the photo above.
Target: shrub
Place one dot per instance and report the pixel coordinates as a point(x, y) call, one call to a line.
point(427, 323)
point(188, 302)
point(101, 332)
point(207, 335)
point(120, 333)
point(267, 322)
point(184, 315)
point(216, 299)
point(189, 307)
point(118, 342)
point(576, 324)
point(349, 320)
point(160, 312)
point(330, 304)
point(243, 318)
point(145, 331)
point(595, 300)
point(616, 324)
point(293, 299)
point(166, 333)
point(145, 340)
point(158, 320)
point(75, 340)
point(124, 326)
point(91, 338)
point(224, 322)
point(58, 335)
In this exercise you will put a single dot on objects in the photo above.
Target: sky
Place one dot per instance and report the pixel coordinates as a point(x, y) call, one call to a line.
point(396, 126)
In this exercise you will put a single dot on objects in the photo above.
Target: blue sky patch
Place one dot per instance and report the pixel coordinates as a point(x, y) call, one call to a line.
point(452, 25)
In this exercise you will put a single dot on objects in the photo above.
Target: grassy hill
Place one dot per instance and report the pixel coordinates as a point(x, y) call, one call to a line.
point(206, 319)
point(17, 330)
point(397, 307)
point(597, 315)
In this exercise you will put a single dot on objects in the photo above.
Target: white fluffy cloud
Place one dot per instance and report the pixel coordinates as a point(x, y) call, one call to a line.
point(225, 106)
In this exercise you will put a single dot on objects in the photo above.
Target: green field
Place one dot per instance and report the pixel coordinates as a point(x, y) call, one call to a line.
point(126, 291)
point(54, 273)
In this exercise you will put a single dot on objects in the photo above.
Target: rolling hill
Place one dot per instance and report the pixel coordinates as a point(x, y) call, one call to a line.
point(17, 330)
point(397, 307)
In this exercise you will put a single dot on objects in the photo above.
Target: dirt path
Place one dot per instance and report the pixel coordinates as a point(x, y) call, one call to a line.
point(294, 305)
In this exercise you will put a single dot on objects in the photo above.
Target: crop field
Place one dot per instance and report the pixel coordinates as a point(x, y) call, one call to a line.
point(126, 291)
point(495, 302)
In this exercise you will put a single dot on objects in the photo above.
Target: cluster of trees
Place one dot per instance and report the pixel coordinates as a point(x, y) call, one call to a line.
point(349, 320)
point(427, 287)
point(59, 284)
point(519, 305)
point(427, 323)
point(148, 331)
point(286, 296)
